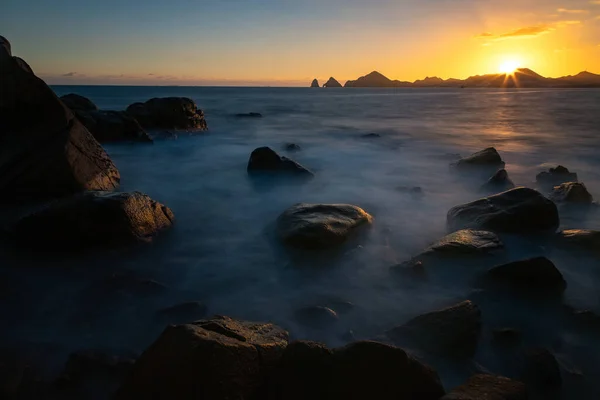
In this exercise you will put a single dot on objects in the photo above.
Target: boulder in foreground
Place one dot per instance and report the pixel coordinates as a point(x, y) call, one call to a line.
point(44, 150)
point(487, 157)
point(452, 331)
point(519, 210)
point(219, 358)
point(572, 192)
point(168, 113)
point(489, 387)
point(94, 219)
point(556, 176)
point(264, 159)
point(319, 226)
point(534, 274)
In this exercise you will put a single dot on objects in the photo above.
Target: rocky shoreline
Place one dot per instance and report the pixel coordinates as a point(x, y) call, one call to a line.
point(52, 162)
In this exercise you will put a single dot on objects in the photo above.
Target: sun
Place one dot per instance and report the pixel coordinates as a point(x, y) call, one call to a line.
point(508, 66)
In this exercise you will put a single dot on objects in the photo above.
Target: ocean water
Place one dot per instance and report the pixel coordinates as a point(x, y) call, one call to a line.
point(222, 250)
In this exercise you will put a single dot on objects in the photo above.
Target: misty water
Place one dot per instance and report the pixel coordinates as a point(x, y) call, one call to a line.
point(223, 250)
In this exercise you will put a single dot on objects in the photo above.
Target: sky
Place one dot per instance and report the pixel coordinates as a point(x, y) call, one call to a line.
point(290, 42)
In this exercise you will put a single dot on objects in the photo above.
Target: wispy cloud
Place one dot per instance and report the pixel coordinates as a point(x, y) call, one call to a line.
point(527, 32)
point(68, 74)
point(569, 11)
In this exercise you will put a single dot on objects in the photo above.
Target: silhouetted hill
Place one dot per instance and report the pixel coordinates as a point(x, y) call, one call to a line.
point(522, 77)
point(332, 83)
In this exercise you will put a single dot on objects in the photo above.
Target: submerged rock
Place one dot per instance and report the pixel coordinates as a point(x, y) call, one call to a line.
point(487, 157)
point(572, 192)
point(316, 316)
point(249, 115)
point(556, 176)
point(499, 182)
point(332, 83)
point(319, 226)
point(292, 147)
point(94, 219)
point(168, 113)
point(534, 274)
point(583, 239)
point(78, 103)
point(314, 83)
point(113, 126)
point(452, 331)
point(219, 358)
point(44, 150)
point(518, 210)
point(489, 387)
point(264, 159)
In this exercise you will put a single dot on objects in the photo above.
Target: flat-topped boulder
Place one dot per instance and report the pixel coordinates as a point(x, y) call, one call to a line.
point(44, 150)
point(332, 83)
point(168, 113)
point(519, 210)
point(573, 193)
point(452, 331)
point(499, 182)
point(219, 358)
point(266, 160)
point(530, 275)
point(94, 219)
point(489, 387)
point(78, 103)
point(556, 176)
point(488, 157)
point(319, 226)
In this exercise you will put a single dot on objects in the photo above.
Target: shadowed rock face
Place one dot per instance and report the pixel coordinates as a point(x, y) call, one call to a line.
point(487, 157)
point(535, 274)
point(518, 210)
point(319, 226)
point(453, 331)
point(572, 192)
point(264, 159)
point(78, 103)
point(44, 150)
point(489, 387)
point(219, 358)
point(499, 182)
point(332, 83)
point(94, 219)
point(583, 239)
point(556, 176)
point(168, 113)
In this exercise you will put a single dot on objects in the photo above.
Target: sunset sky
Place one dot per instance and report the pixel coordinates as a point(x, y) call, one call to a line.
point(290, 42)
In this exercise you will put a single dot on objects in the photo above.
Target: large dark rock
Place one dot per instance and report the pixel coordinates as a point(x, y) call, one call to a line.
point(579, 239)
point(314, 83)
point(332, 83)
point(78, 103)
point(572, 192)
point(318, 226)
point(452, 331)
point(519, 210)
point(361, 370)
point(556, 176)
point(534, 274)
point(215, 359)
point(94, 219)
point(264, 159)
point(168, 113)
point(44, 150)
point(113, 126)
point(499, 182)
point(489, 387)
point(541, 369)
point(488, 158)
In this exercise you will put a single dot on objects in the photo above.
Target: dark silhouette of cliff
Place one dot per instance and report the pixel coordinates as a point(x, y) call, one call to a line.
point(315, 83)
point(375, 79)
point(332, 83)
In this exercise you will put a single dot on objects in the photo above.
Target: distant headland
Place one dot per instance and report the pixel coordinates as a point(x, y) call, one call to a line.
point(521, 78)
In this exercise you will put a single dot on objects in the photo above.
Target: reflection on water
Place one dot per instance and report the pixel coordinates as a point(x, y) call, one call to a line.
point(223, 251)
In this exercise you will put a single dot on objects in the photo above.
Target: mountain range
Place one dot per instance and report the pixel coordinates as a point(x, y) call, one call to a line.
point(522, 77)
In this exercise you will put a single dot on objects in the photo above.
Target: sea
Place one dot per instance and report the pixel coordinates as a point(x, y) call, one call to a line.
point(223, 250)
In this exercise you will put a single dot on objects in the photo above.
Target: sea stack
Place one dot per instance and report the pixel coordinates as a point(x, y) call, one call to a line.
point(332, 83)
point(315, 83)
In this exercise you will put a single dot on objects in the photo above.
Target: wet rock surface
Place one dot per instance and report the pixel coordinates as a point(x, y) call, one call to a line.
point(318, 226)
point(113, 126)
point(573, 193)
point(168, 113)
point(265, 160)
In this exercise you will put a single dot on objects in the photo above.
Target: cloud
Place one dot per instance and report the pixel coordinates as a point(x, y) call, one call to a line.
point(568, 11)
point(528, 31)
point(70, 74)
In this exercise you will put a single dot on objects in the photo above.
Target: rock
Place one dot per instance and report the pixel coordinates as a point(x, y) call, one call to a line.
point(467, 241)
point(583, 239)
point(371, 135)
point(219, 358)
point(534, 274)
point(541, 369)
point(487, 157)
point(556, 176)
point(113, 126)
point(94, 219)
point(78, 103)
point(332, 83)
point(488, 387)
point(292, 147)
point(506, 337)
point(452, 331)
point(314, 84)
point(44, 150)
point(319, 226)
point(249, 115)
point(520, 210)
point(499, 182)
point(572, 192)
point(317, 317)
point(168, 113)
point(264, 159)
point(183, 312)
